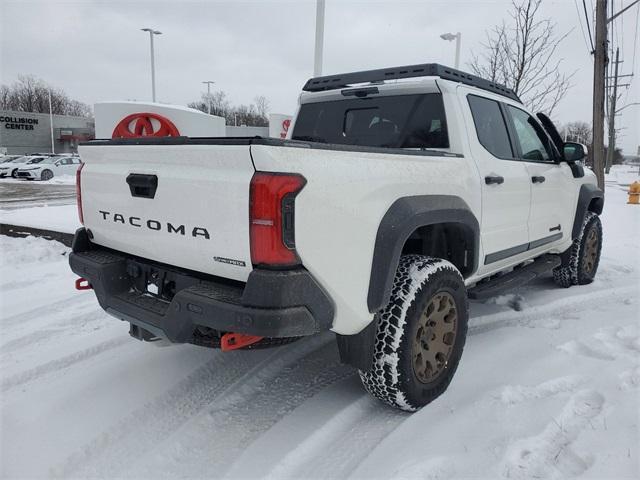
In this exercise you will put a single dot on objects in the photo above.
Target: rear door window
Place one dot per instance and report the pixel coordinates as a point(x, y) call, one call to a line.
point(491, 127)
point(399, 121)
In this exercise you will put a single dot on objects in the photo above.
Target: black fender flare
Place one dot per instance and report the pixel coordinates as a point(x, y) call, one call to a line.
point(402, 218)
point(588, 192)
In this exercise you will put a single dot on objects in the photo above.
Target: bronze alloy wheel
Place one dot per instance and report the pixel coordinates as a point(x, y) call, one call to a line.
point(435, 337)
point(590, 252)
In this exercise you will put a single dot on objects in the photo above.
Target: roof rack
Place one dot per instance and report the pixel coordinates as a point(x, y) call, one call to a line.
point(332, 82)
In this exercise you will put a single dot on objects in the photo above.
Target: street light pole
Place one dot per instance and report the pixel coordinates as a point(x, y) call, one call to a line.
point(53, 148)
point(458, 38)
point(317, 60)
point(209, 82)
point(152, 32)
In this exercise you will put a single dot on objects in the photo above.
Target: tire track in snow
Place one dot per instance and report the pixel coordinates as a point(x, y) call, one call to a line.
point(215, 385)
point(211, 441)
point(61, 363)
point(57, 308)
point(560, 307)
point(345, 440)
point(83, 317)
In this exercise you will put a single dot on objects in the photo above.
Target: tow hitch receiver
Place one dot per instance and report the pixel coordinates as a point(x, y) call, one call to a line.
point(234, 341)
point(83, 284)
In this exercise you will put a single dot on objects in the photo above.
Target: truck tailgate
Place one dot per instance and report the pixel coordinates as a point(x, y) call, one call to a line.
point(198, 217)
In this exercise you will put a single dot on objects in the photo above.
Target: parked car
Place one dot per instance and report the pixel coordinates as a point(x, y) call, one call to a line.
point(5, 160)
point(50, 167)
point(11, 168)
point(391, 204)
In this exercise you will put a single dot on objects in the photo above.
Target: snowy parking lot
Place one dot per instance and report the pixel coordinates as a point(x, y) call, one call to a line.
point(548, 387)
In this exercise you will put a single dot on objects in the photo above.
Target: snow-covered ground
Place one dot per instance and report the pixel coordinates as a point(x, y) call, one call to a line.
point(60, 218)
point(549, 391)
point(57, 180)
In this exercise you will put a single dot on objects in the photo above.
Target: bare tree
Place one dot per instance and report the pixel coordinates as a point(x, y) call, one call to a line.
point(522, 55)
point(253, 115)
point(31, 94)
point(262, 105)
point(577, 132)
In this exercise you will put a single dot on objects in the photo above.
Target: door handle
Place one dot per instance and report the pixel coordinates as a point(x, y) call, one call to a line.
point(493, 179)
point(538, 179)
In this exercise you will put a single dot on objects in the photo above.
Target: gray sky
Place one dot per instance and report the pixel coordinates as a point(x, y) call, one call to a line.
point(95, 51)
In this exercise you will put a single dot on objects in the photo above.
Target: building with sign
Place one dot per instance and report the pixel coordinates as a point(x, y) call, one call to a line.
point(26, 132)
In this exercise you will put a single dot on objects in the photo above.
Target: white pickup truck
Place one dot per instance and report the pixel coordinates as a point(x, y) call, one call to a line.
point(400, 193)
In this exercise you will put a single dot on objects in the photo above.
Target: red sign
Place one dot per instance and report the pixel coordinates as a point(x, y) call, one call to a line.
point(285, 128)
point(141, 125)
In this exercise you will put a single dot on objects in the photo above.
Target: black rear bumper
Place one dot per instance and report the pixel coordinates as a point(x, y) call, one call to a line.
point(271, 304)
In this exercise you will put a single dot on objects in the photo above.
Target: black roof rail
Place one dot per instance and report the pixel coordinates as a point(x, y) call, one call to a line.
point(332, 82)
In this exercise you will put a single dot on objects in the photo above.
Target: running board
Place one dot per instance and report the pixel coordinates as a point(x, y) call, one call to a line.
point(516, 278)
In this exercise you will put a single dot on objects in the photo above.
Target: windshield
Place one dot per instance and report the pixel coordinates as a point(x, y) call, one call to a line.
point(399, 121)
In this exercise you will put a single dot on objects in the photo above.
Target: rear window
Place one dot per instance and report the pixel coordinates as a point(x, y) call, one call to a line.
point(401, 121)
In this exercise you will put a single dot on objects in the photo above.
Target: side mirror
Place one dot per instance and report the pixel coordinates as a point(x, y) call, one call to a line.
point(574, 152)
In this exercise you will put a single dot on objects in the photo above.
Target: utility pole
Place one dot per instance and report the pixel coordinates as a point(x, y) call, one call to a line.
point(599, 73)
point(317, 60)
point(612, 116)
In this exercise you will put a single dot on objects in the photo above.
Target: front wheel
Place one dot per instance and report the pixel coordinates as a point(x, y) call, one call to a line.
point(580, 263)
point(14, 173)
point(46, 175)
point(420, 334)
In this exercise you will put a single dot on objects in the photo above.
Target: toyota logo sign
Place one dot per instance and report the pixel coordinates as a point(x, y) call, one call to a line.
point(145, 125)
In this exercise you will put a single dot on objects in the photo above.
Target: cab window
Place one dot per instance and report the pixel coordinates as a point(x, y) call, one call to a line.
point(533, 141)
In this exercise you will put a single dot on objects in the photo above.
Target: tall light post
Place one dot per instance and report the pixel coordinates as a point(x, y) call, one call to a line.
point(152, 32)
point(451, 37)
point(317, 58)
point(53, 148)
point(209, 82)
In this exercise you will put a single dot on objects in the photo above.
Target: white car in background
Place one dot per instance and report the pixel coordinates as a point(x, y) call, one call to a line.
point(49, 167)
point(10, 168)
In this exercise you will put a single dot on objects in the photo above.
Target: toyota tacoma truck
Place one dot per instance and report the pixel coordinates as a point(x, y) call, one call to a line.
point(398, 194)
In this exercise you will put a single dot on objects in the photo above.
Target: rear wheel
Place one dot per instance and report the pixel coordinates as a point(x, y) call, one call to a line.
point(46, 175)
point(420, 334)
point(580, 263)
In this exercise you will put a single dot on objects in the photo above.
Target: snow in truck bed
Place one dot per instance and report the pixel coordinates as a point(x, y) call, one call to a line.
point(548, 387)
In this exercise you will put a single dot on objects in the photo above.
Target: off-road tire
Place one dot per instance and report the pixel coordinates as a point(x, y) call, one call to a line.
point(580, 262)
point(46, 175)
point(392, 378)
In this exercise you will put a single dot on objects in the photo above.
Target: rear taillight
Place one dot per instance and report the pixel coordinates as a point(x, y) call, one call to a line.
point(79, 192)
point(271, 217)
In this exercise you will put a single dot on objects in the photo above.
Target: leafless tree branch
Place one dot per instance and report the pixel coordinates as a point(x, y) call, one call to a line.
point(521, 54)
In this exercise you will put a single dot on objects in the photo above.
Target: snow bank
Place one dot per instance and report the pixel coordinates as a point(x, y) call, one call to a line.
point(29, 250)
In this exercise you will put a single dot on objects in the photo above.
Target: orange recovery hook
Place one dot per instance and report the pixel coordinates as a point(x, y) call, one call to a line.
point(234, 341)
point(83, 284)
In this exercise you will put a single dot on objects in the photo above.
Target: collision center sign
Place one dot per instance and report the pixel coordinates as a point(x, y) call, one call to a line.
point(18, 123)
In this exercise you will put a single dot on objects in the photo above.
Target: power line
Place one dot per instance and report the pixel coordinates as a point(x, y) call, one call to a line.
point(635, 43)
point(586, 16)
point(584, 35)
